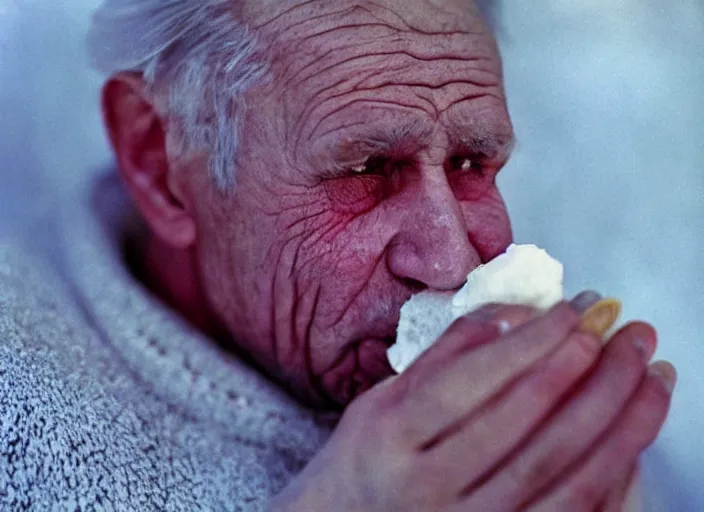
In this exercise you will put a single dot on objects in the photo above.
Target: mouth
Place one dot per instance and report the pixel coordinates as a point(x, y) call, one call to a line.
point(363, 365)
point(389, 340)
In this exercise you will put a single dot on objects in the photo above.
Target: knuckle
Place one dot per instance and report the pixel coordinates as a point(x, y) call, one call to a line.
point(648, 415)
point(565, 312)
point(563, 369)
point(546, 467)
point(549, 382)
point(589, 343)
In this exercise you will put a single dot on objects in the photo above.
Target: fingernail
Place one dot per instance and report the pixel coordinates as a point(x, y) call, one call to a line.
point(585, 300)
point(666, 373)
point(644, 348)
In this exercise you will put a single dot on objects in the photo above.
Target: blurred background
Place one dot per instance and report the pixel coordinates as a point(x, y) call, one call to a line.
point(607, 97)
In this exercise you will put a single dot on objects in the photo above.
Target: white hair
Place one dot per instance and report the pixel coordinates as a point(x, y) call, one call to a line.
point(197, 61)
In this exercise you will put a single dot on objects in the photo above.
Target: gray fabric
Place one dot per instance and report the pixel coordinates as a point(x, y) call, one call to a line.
point(108, 401)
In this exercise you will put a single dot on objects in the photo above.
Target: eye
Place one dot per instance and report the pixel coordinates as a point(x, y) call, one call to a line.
point(470, 176)
point(375, 165)
point(465, 164)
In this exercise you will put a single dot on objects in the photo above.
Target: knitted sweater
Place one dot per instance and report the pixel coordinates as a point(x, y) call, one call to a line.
point(110, 401)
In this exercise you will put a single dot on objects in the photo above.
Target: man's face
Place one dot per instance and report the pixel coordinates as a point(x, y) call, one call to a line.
point(366, 174)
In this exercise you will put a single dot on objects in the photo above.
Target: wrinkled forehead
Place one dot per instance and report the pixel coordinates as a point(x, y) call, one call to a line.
point(344, 67)
point(288, 20)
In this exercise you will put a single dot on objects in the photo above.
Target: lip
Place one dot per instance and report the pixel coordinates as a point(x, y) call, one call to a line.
point(362, 365)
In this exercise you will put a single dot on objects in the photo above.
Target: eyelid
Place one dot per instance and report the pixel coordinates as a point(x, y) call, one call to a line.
point(370, 165)
point(464, 162)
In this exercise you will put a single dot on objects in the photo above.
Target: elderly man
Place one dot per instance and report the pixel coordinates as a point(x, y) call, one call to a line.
point(296, 170)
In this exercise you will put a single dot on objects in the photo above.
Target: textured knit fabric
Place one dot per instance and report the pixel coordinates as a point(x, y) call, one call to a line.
point(109, 401)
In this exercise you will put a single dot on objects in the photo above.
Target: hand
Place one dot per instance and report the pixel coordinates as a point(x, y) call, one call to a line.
point(538, 418)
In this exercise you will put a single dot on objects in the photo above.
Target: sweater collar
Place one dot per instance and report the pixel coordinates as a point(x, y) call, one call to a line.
point(177, 363)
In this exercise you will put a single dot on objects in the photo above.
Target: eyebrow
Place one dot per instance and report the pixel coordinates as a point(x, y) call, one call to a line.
point(401, 139)
point(405, 139)
point(491, 143)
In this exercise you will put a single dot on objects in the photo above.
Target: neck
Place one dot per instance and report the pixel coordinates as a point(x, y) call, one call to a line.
point(172, 275)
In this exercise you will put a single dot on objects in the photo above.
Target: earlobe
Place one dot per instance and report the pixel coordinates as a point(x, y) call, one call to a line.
point(137, 133)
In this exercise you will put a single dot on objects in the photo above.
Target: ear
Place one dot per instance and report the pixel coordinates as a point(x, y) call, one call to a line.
point(137, 134)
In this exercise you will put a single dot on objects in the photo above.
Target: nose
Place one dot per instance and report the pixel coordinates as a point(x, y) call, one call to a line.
point(432, 246)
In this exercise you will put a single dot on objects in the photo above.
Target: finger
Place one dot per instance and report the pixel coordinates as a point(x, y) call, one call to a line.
point(449, 392)
point(470, 331)
point(579, 423)
point(585, 300)
point(625, 495)
point(494, 432)
point(636, 428)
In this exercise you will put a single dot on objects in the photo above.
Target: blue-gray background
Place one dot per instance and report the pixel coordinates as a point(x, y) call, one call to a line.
point(607, 98)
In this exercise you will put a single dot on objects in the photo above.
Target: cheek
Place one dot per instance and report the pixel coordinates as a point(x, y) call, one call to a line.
point(350, 196)
point(342, 248)
point(331, 241)
point(488, 224)
point(472, 186)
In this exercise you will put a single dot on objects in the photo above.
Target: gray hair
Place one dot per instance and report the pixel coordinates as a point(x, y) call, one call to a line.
point(197, 61)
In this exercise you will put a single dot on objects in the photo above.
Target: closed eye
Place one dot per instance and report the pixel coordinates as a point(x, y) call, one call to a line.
point(376, 165)
point(465, 164)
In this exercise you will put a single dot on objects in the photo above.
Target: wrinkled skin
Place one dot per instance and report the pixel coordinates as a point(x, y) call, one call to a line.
point(366, 174)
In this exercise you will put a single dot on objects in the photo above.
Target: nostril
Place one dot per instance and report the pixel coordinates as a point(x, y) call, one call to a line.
point(414, 285)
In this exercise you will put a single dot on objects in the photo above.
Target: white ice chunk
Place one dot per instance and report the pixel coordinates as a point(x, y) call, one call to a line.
point(524, 274)
point(424, 318)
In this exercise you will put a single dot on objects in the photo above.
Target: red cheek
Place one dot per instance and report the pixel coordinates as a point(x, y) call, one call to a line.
point(488, 224)
point(471, 186)
point(354, 195)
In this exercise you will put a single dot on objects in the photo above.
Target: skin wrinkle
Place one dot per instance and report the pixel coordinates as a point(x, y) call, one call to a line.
point(276, 298)
point(358, 197)
point(362, 101)
point(289, 78)
point(386, 56)
point(402, 20)
point(284, 13)
point(312, 109)
point(343, 28)
point(327, 24)
point(363, 283)
point(310, 367)
point(435, 114)
point(286, 84)
point(299, 324)
point(308, 264)
point(342, 128)
point(313, 240)
point(356, 295)
point(314, 19)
